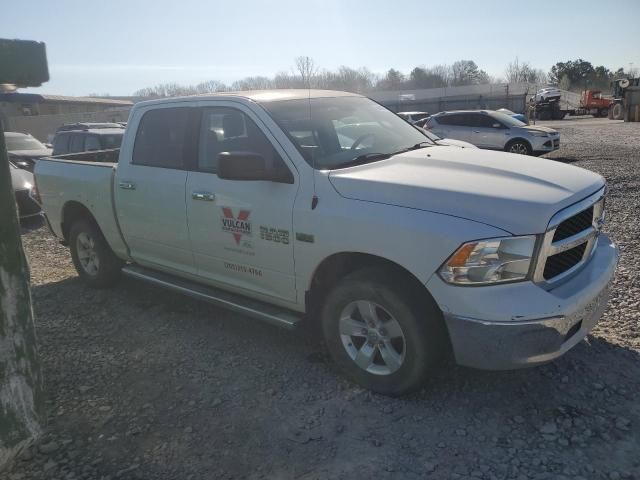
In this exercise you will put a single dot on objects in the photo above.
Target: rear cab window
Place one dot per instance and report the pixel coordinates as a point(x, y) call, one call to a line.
point(162, 138)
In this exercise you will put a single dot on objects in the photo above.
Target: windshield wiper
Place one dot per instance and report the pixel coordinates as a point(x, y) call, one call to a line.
point(417, 146)
point(366, 158)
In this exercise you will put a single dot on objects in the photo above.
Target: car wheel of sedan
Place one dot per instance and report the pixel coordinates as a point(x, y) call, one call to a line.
point(381, 332)
point(519, 146)
point(92, 257)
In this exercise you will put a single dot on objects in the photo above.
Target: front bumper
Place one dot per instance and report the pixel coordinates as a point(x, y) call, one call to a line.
point(545, 144)
point(27, 207)
point(516, 325)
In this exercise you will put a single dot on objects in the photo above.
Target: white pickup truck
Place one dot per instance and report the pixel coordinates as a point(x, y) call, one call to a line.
point(326, 206)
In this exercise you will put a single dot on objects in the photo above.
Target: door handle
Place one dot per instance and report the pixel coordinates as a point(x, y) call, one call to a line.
point(477, 131)
point(204, 196)
point(127, 185)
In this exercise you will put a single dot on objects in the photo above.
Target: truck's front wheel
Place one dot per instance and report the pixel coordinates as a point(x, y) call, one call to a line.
point(381, 332)
point(94, 260)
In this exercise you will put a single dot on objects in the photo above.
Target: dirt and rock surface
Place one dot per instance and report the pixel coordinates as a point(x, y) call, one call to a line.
point(147, 384)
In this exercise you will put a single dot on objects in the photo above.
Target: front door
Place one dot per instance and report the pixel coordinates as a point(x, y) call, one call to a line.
point(150, 192)
point(241, 231)
point(488, 132)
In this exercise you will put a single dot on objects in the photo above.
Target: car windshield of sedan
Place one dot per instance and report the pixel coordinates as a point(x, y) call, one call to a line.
point(22, 142)
point(332, 133)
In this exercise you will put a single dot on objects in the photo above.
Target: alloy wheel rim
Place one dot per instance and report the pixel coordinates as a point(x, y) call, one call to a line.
point(518, 148)
point(87, 255)
point(372, 337)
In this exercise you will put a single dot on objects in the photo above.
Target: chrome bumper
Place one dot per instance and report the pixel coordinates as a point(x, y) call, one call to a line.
point(566, 314)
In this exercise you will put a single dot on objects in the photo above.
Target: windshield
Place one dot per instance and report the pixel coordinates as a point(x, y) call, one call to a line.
point(507, 120)
point(22, 142)
point(333, 132)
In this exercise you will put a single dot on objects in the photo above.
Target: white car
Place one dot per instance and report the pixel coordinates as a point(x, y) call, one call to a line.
point(547, 93)
point(413, 117)
point(494, 131)
point(398, 247)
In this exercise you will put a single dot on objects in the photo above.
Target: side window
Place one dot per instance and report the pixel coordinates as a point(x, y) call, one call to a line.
point(225, 129)
point(61, 144)
point(484, 121)
point(76, 144)
point(453, 119)
point(161, 139)
point(466, 119)
point(92, 143)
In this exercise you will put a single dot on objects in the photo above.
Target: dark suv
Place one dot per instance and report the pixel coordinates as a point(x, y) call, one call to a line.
point(85, 140)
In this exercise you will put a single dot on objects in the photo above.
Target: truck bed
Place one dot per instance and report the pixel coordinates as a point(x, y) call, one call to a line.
point(64, 181)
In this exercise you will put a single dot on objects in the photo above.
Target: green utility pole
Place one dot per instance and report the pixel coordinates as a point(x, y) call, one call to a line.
point(22, 64)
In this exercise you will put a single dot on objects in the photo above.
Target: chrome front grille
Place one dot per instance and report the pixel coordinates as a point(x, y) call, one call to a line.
point(570, 239)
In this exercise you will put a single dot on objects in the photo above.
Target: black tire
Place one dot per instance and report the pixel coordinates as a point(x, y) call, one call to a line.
point(518, 146)
point(108, 266)
point(618, 112)
point(420, 319)
point(544, 115)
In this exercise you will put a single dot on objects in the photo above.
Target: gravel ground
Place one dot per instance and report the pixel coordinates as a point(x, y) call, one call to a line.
point(148, 384)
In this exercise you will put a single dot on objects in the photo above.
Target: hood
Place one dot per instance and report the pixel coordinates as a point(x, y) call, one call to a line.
point(19, 178)
point(538, 128)
point(516, 193)
point(44, 152)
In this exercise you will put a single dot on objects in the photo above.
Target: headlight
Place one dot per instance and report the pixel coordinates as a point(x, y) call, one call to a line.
point(540, 134)
point(494, 260)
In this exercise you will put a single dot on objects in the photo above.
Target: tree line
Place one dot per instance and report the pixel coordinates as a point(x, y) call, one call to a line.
point(570, 75)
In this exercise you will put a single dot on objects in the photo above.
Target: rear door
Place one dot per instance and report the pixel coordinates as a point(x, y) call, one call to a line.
point(150, 190)
point(487, 132)
point(241, 231)
point(454, 125)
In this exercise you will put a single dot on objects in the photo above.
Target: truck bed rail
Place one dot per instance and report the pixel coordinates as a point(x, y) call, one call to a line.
point(98, 156)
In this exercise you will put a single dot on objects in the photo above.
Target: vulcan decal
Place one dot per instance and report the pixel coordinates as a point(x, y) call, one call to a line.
point(236, 225)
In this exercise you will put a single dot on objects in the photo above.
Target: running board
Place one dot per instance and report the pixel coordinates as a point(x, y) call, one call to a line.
point(260, 310)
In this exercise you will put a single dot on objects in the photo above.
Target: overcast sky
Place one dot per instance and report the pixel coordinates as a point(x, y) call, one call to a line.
point(119, 46)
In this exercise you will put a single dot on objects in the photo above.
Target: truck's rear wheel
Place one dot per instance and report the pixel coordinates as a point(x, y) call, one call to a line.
point(379, 334)
point(94, 260)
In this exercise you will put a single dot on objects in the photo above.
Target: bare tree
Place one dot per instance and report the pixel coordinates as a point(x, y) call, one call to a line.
point(307, 70)
point(285, 80)
point(211, 86)
point(253, 83)
point(465, 72)
point(523, 72)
